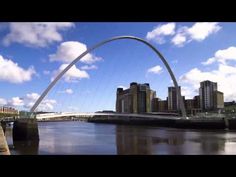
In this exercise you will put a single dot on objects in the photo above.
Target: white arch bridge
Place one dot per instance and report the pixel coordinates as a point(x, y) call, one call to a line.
point(59, 76)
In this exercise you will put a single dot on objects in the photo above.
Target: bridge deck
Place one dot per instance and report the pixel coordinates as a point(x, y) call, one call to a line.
point(57, 115)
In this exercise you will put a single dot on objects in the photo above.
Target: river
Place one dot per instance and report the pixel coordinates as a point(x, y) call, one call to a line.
point(79, 138)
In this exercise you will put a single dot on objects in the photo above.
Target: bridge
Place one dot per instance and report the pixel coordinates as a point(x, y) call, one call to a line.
point(27, 129)
point(110, 115)
point(61, 74)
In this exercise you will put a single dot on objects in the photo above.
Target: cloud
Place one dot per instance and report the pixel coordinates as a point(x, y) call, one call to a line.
point(35, 34)
point(3, 102)
point(159, 32)
point(15, 101)
point(45, 105)
point(28, 101)
point(181, 37)
point(68, 91)
point(198, 32)
point(70, 50)
point(72, 75)
point(87, 67)
point(223, 75)
point(209, 61)
point(11, 72)
point(32, 96)
point(222, 56)
point(155, 70)
point(188, 93)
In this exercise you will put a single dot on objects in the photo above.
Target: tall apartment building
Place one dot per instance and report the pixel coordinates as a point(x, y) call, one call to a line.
point(210, 97)
point(173, 101)
point(136, 99)
point(218, 100)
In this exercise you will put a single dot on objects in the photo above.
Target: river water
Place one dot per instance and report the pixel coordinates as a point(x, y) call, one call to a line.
point(76, 137)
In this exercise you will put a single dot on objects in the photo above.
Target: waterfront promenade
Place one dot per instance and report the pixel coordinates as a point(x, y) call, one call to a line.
point(4, 150)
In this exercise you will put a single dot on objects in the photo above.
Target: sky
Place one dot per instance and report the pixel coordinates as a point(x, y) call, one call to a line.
point(32, 54)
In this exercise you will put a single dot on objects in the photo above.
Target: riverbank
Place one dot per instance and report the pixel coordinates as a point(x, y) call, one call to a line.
point(191, 123)
point(4, 150)
point(200, 123)
point(160, 121)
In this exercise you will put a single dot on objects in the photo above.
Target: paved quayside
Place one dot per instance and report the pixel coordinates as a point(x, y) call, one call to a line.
point(4, 150)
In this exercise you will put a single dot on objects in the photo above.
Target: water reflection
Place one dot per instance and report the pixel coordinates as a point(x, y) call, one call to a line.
point(211, 142)
point(26, 147)
point(210, 146)
point(142, 140)
point(89, 138)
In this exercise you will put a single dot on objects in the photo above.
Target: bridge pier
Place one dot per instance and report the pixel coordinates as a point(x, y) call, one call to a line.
point(25, 129)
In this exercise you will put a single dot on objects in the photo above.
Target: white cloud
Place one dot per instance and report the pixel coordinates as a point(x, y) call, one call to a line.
point(2, 101)
point(36, 34)
point(11, 72)
point(224, 75)
point(45, 105)
point(189, 94)
point(180, 38)
point(70, 50)
point(159, 32)
point(68, 91)
point(226, 54)
point(209, 61)
point(87, 67)
point(32, 96)
point(155, 70)
point(15, 101)
point(222, 56)
point(28, 101)
point(198, 32)
point(72, 75)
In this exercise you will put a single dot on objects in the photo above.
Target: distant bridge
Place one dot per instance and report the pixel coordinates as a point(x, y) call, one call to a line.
point(90, 115)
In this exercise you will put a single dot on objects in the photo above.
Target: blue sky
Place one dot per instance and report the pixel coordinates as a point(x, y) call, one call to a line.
point(31, 54)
